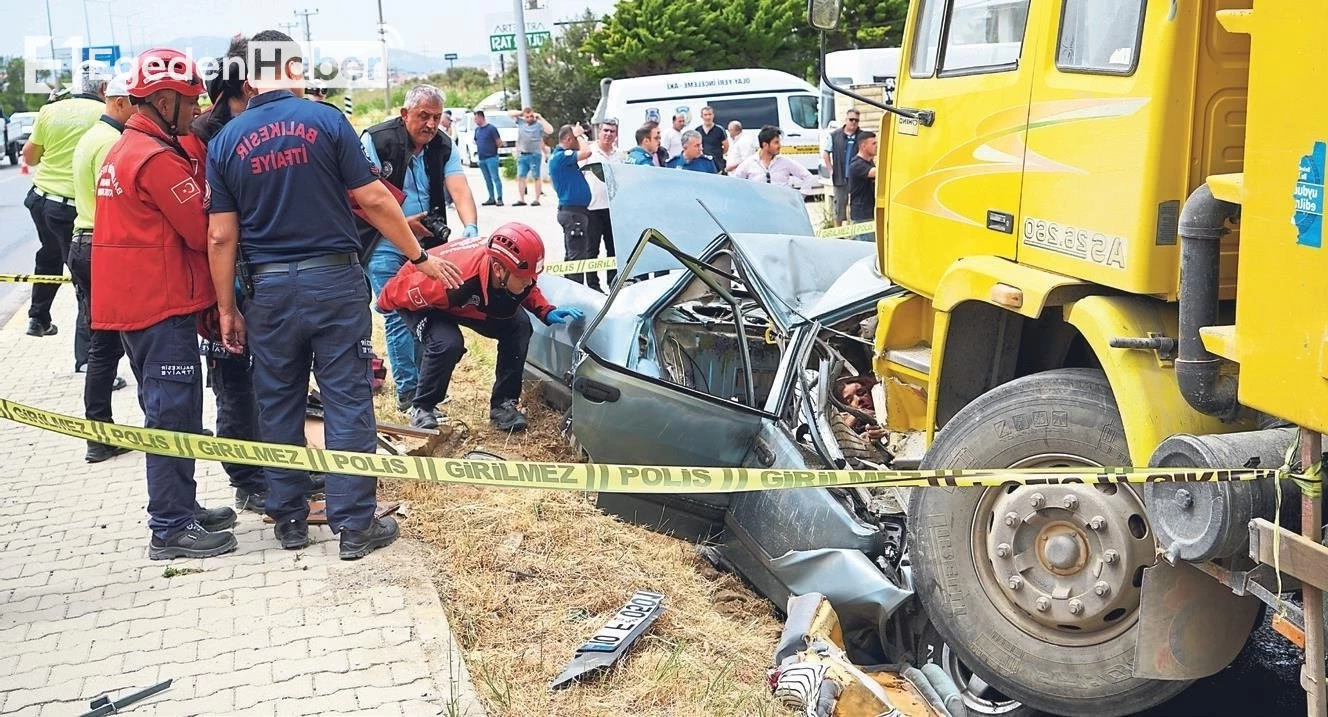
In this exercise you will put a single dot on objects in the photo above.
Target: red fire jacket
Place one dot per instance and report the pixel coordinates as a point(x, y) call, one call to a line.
point(412, 290)
point(149, 242)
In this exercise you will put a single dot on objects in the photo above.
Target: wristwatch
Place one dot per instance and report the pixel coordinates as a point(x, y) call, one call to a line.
point(423, 257)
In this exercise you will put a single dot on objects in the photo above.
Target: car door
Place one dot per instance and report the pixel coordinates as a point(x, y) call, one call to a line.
point(623, 409)
point(957, 183)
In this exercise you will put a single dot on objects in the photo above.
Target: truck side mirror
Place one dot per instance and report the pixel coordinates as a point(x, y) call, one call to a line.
point(824, 14)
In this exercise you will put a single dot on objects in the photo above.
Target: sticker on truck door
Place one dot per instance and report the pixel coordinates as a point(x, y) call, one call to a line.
point(1309, 198)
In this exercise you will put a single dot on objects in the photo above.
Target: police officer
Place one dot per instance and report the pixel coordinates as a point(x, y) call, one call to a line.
point(573, 194)
point(104, 347)
point(228, 373)
point(279, 174)
point(418, 159)
point(151, 231)
point(50, 150)
point(498, 282)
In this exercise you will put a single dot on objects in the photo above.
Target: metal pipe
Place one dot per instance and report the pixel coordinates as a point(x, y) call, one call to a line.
point(946, 689)
point(1311, 518)
point(1198, 372)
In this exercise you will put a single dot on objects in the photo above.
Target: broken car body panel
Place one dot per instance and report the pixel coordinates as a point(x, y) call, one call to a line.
point(722, 363)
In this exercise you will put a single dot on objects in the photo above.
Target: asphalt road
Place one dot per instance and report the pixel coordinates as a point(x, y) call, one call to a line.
point(18, 238)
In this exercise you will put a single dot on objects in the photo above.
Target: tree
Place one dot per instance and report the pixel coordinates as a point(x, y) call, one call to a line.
point(650, 37)
point(12, 97)
point(869, 23)
point(564, 84)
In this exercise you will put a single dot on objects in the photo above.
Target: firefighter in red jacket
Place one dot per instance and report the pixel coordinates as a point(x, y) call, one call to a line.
point(150, 270)
point(498, 281)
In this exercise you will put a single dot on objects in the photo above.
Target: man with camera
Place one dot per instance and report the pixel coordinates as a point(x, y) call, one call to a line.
point(417, 158)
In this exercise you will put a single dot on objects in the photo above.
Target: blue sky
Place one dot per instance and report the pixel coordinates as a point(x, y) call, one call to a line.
point(432, 26)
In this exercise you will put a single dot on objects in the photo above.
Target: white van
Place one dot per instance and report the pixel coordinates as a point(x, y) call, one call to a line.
point(866, 66)
point(754, 97)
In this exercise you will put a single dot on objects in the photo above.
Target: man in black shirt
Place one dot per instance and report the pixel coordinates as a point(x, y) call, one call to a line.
point(862, 183)
point(714, 140)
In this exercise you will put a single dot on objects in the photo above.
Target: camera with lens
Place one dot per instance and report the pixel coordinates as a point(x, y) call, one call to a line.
point(435, 222)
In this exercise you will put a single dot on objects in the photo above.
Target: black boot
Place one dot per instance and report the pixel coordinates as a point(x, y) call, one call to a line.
point(292, 534)
point(191, 542)
point(215, 520)
point(98, 452)
point(356, 544)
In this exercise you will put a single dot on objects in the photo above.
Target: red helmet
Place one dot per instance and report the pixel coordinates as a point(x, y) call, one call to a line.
point(519, 249)
point(165, 69)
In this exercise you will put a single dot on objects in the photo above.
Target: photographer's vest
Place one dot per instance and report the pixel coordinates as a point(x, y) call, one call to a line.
point(393, 146)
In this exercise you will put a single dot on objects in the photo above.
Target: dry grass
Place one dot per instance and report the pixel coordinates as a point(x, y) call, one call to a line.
point(526, 575)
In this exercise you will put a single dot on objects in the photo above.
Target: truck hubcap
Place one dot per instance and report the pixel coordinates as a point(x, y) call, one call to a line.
point(1066, 560)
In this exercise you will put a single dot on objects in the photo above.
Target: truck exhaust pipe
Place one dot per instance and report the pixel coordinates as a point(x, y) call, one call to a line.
point(1198, 372)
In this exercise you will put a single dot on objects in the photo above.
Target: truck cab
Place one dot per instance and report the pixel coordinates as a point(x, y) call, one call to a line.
point(1064, 194)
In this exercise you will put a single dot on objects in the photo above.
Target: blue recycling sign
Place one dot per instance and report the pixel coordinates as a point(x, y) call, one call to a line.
point(1308, 196)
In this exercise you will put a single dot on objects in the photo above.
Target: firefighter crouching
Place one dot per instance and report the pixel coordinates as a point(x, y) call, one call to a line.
point(497, 282)
point(150, 268)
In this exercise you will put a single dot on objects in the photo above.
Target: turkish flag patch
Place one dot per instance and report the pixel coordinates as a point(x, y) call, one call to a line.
point(184, 191)
point(416, 297)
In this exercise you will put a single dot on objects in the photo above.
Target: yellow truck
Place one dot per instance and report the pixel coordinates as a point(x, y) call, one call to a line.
point(1108, 215)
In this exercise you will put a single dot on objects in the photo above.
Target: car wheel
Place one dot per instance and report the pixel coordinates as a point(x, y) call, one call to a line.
point(981, 699)
point(1039, 604)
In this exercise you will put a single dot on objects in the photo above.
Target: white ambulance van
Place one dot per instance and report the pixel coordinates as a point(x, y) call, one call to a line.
point(755, 97)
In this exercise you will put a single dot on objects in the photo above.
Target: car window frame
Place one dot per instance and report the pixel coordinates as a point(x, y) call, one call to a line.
point(1137, 50)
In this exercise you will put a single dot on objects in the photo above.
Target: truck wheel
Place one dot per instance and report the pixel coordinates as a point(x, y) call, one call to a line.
point(1037, 587)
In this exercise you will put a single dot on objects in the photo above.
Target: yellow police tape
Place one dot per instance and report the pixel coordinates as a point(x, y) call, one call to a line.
point(583, 476)
point(33, 279)
point(847, 230)
point(581, 266)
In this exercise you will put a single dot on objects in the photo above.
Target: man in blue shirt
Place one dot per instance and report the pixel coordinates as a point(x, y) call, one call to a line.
point(487, 144)
point(573, 191)
point(691, 158)
point(415, 157)
point(278, 175)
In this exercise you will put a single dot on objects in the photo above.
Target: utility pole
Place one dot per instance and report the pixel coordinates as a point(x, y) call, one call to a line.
point(387, 75)
point(87, 26)
point(288, 27)
point(522, 51)
point(51, 31)
point(308, 37)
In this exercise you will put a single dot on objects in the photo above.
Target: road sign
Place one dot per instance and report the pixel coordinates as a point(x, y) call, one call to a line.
point(109, 54)
point(502, 30)
point(507, 42)
point(450, 56)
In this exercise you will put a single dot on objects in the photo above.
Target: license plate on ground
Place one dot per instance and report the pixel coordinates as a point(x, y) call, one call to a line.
point(641, 609)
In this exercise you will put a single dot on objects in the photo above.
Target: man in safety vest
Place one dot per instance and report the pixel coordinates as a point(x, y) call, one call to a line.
point(497, 282)
point(150, 267)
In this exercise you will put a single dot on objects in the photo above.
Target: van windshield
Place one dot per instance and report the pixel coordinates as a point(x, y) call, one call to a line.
point(803, 110)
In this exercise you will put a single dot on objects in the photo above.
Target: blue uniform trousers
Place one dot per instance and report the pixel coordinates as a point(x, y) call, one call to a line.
point(164, 358)
point(403, 351)
point(319, 316)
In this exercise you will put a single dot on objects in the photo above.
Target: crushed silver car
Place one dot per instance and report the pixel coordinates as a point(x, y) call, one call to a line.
point(753, 349)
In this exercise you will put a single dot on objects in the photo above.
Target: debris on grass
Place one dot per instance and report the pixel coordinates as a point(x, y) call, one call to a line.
point(172, 572)
point(519, 606)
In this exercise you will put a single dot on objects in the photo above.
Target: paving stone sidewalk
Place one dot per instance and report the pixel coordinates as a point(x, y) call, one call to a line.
point(260, 631)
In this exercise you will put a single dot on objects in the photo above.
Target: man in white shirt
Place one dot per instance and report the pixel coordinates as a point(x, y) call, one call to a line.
point(771, 167)
point(741, 146)
point(671, 137)
point(603, 151)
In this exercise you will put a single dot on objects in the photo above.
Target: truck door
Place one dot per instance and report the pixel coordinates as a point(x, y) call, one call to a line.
point(954, 187)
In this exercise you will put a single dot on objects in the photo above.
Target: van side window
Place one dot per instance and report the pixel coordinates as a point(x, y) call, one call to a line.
point(984, 36)
point(803, 110)
point(752, 112)
point(926, 38)
point(1100, 38)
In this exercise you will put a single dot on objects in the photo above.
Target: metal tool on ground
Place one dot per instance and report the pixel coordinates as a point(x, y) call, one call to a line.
point(104, 705)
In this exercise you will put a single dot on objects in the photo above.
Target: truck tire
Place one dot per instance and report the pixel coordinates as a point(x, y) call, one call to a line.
point(1008, 576)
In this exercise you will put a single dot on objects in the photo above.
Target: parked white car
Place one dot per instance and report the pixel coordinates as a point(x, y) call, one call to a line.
point(465, 135)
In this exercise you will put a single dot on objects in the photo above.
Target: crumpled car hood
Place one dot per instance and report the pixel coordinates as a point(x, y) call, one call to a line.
point(666, 200)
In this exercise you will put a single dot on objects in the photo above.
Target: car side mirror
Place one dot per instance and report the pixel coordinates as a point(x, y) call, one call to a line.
point(824, 14)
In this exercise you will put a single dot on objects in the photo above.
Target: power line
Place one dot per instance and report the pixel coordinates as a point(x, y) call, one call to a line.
point(308, 37)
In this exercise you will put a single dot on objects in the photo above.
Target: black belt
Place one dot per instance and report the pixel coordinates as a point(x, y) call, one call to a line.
point(318, 262)
point(83, 236)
